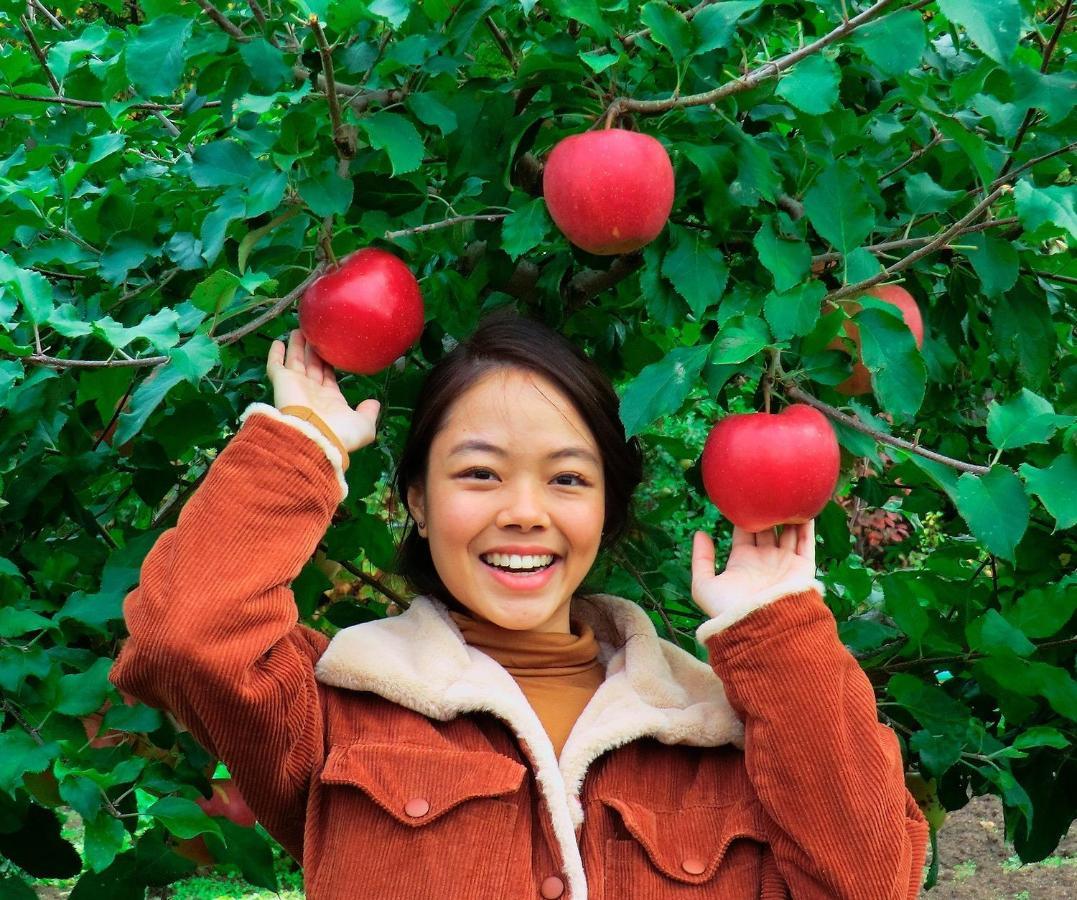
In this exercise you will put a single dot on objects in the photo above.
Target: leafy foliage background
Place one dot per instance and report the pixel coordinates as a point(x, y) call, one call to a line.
point(173, 174)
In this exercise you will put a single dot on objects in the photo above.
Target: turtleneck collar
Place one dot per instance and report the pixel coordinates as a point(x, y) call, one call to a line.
point(531, 652)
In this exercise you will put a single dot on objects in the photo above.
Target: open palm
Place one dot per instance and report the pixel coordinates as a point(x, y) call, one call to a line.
point(301, 377)
point(758, 561)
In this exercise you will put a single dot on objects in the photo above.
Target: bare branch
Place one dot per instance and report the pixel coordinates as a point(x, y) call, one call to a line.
point(39, 53)
point(502, 43)
point(445, 223)
point(936, 138)
point(887, 246)
point(222, 20)
point(791, 390)
point(53, 21)
point(753, 78)
point(97, 104)
point(345, 147)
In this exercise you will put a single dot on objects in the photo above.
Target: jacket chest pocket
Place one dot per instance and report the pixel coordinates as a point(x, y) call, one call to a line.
point(708, 851)
point(409, 822)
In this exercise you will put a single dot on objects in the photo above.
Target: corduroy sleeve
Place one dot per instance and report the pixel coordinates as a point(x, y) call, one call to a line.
point(214, 632)
point(828, 773)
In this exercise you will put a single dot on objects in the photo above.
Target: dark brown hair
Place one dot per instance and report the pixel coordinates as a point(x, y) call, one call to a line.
point(508, 340)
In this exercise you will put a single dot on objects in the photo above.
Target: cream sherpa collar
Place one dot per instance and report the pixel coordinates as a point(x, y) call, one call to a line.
point(652, 688)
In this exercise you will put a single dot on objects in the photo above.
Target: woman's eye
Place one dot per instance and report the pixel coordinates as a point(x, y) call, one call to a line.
point(475, 473)
point(581, 482)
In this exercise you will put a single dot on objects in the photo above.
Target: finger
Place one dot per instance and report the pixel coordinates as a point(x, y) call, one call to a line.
point(276, 354)
point(806, 544)
point(294, 358)
point(790, 536)
point(743, 537)
point(702, 556)
point(766, 538)
point(313, 363)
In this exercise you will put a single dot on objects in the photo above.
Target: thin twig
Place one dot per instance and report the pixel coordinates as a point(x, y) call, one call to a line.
point(796, 393)
point(98, 104)
point(502, 42)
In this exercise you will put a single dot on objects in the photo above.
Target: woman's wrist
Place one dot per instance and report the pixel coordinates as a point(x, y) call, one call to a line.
point(309, 415)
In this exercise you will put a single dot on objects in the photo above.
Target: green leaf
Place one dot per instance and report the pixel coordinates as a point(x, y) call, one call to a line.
point(993, 25)
point(788, 261)
point(155, 56)
point(17, 622)
point(429, 110)
point(888, 349)
point(695, 268)
point(84, 692)
point(895, 42)
point(794, 313)
point(266, 63)
point(738, 340)
point(20, 753)
point(600, 60)
point(1041, 612)
point(716, 25)
point(991, 633)
point(223, 164)
point(1053, 205)
point(925, 196)
point(669, 28)
point(102, 841)
point(325, 192)
point(1056, 486)
point(398, 137)
point(1040, 736)
point(994, 260)
point(395, 11)
point(995, 507)
point(183, 817)
point(838, 209)
point(32, 289)
point(525, 228)
point(586, 11)
point(661, 387)
point(812, 85)
point(1026, 419)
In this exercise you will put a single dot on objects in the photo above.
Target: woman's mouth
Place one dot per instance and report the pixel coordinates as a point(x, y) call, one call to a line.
point(520, 572)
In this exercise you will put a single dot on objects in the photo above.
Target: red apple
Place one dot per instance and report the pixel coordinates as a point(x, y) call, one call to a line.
point(194, 849)
point(762, 469)
point(860, 381)
point(609, 191)
point(363, 314)
point(227, 801)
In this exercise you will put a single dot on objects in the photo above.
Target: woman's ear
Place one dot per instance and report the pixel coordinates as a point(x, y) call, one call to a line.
point(417, 503)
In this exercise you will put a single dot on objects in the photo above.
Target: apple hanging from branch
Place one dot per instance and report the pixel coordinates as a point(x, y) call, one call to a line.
point(763, 469)
point(227, 801)
point(860, 381)
point(609, 191)
point(363, 314)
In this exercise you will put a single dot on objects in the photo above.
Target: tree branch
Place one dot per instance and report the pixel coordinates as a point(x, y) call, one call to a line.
point(768, 70)
point(98, 104)
point(502, 43)
point(230, 338)
point(929, 248)
point(344, 142)
point(226, 25)
point(791, 390)
point(39, 53)
point(1031, 114)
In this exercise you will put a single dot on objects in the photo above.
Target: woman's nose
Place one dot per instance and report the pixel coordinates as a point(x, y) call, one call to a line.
point(524, 508)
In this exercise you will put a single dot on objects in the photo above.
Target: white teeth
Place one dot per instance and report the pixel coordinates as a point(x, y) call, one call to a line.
point(515, 561)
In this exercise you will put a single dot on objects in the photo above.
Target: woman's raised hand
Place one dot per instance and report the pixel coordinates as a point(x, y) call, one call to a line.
point(758, 561)
point(300, 377)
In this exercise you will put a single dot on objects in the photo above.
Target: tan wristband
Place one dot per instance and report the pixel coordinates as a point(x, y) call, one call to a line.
point(309, 415)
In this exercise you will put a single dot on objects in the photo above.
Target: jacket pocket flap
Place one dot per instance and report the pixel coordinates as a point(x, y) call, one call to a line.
point(689, 843)
point(417, 785)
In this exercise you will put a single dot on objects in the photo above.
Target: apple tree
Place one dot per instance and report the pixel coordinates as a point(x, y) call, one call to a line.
point(174, 174)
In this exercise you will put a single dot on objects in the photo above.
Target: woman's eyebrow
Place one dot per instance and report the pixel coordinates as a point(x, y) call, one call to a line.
point(484, 446)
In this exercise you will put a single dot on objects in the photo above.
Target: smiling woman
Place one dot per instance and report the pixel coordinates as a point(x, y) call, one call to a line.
point(535, 733)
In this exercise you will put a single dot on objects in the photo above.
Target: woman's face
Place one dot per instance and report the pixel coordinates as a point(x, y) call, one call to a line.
point(513, 472)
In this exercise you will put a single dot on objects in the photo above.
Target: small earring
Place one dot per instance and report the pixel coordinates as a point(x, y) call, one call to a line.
point(421, 525)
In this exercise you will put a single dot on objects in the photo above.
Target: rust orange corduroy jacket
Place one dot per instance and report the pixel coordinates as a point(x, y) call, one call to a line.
point(396, 762)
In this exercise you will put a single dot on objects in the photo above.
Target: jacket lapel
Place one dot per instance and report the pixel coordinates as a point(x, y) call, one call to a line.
point(652, 688)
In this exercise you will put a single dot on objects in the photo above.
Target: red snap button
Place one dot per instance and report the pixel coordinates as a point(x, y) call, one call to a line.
point(552, 888)
point(417, 807)
point(694, 866)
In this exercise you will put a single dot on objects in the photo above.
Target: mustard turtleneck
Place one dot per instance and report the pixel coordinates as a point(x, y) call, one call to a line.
point(558, 673)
